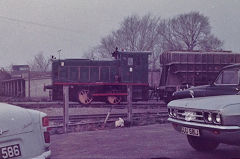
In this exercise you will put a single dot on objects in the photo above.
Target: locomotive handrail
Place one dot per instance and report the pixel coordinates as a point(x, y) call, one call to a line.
point(104, 83)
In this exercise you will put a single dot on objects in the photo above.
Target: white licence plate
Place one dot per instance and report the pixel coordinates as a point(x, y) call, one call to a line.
point(10, 151)
point(190, 131)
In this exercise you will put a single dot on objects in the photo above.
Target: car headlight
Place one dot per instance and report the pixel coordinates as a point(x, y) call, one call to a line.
point(212, 117)
point(172, 112)
point(209, 118)
point(217, 118)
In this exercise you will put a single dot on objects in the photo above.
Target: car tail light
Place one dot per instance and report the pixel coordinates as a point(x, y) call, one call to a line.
point(48, 129)
point(47, 137)
point(46, 133)
point(45, 121)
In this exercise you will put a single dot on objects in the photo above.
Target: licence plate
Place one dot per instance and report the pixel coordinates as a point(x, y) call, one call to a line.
point(10, 151)
point(190, 131)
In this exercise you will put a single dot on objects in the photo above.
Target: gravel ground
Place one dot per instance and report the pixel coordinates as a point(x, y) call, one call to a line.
point(158, 141)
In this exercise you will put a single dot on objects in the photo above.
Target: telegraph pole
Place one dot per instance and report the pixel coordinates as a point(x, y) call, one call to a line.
point(29, 78)
point(59, 53)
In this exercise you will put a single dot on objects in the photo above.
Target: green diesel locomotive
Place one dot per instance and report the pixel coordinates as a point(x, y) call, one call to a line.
point(92, 80)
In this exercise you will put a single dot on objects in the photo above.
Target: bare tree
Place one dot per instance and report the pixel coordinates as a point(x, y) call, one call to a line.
point(190, 31)
point(135, 34)
point(169, 42)
point(210, 42)
point(40, 63)
point(97, 53)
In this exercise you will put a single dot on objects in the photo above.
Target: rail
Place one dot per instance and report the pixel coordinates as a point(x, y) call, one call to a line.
point(94, 105)
point(75, 118)
point(96, 121)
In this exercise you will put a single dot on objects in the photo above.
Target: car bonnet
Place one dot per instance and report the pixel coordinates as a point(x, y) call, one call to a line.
point(207, 103)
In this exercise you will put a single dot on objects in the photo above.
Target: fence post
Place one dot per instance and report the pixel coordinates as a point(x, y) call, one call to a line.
point(65, 107)
point(29, 84)
point(129, 100)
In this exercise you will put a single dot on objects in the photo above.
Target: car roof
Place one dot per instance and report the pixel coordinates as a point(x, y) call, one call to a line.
point(231, 66)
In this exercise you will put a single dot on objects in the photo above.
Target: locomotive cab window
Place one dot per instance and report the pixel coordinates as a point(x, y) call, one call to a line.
point(130, 61)
point(104, 74)
point(84, 74)
point(73, 73)
point(94, 74)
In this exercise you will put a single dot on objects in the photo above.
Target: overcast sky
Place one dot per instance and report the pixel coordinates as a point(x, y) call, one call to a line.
point(28, 27)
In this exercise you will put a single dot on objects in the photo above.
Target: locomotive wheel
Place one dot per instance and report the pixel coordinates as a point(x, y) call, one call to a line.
point(84, 97)
point(114, 99)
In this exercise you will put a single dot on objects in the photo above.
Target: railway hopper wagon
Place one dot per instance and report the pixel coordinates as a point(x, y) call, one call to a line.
point(184, 69)
point(92, 80)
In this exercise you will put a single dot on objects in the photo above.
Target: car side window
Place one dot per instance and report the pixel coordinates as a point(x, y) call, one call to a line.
point(228, 77)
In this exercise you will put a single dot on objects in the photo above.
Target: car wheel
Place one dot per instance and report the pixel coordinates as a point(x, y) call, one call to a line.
point(201, 144)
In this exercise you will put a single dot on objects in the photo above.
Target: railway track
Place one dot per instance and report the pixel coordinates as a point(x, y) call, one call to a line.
point(77, 118)
point(123, 105)
point(96, 121)
point(86, 122)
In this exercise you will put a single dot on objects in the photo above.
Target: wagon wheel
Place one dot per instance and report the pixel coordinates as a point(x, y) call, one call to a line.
point(85, 97)
point(114, 99)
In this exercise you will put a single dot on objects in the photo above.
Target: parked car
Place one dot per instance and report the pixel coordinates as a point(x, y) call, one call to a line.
point(207, 121)
point(23, 133)
point(226, 83)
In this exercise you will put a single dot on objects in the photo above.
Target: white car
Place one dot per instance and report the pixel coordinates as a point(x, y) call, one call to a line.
point(207, 121)
point(23, 133)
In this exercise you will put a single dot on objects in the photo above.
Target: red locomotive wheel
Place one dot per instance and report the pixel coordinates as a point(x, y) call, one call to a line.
point(114, 99)
point(85, 97)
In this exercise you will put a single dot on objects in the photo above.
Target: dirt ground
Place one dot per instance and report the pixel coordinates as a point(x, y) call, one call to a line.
point(158, 141)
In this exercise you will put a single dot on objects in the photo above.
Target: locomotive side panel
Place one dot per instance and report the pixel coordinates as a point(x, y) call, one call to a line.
point(81, 75)
point(83, 71)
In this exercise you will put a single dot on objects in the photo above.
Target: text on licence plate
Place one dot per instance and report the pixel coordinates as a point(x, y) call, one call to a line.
point(10, 151)
point(190, 131)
